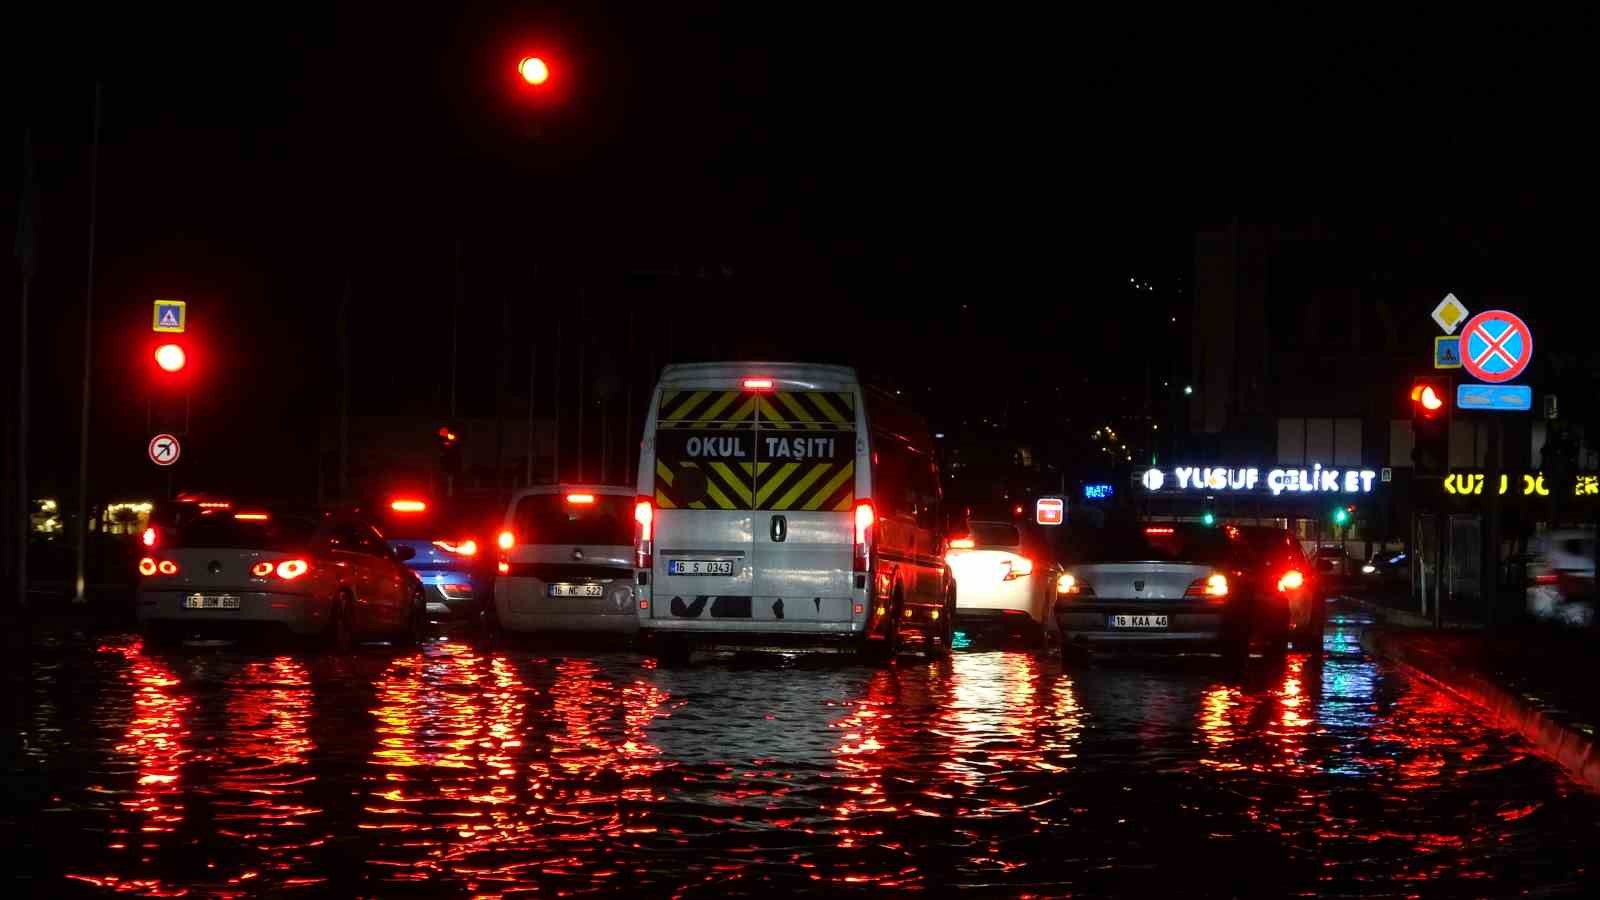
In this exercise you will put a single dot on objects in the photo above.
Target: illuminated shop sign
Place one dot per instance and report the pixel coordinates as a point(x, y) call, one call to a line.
point(1212, 479)
point(1534, 484)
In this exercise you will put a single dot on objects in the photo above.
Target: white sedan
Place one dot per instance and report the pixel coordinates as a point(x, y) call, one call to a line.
point(1003, 580)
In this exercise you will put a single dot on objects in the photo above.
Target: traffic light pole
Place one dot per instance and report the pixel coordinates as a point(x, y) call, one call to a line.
point(78, 595)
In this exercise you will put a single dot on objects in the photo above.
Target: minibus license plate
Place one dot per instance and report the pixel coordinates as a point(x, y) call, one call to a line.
point(699, 567)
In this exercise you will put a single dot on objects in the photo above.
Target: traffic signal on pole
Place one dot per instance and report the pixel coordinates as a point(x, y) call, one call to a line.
point(1208, 518)
point(449, 450)
point(1430, 425)
point(171, 358)
point(1343, 514)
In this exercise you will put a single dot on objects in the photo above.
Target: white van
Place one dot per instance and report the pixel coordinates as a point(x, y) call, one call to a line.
point(785, 503)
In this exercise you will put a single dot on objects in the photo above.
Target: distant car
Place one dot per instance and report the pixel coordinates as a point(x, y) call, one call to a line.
point(1283, 565)
point(1003, 578)
point(566, 561)
point(1333, 561)
point(1165, 585)
point(1561, 585)
point(1387, 567)
point(236, 572)
point(452, 544)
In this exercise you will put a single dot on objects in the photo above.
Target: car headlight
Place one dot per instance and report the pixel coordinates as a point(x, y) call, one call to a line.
point(1369, 568)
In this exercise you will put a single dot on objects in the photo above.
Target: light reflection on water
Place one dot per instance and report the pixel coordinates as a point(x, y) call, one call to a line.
point(460, 770)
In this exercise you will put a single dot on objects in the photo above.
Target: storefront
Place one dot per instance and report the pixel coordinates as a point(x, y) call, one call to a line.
point(1321, 505)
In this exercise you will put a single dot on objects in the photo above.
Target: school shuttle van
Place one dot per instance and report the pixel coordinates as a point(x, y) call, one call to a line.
point(784, 503)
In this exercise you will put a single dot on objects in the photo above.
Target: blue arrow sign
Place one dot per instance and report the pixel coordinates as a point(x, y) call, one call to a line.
point(1500, 397)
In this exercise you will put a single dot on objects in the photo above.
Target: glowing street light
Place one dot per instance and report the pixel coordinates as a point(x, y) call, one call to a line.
point(533, 70)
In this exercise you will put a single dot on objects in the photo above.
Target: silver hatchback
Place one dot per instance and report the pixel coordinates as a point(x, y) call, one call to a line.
point(566, 561)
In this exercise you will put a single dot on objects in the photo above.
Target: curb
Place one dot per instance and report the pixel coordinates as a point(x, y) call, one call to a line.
point(1564, 744)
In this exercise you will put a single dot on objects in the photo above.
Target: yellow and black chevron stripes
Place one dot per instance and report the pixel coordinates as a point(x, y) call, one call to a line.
point(703, 485)
point(805, 485)
point(705, 409)
point(810, 410)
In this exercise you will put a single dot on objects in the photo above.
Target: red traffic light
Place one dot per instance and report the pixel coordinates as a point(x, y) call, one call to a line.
point(533, 70)
point(171, 358)
point(1428, 398)
point(446, 436)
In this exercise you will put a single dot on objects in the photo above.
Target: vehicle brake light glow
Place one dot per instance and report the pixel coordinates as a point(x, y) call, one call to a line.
point(503, 567)
point(1213, 587)
point(507, 540)
point(1066, 583)
point(149, 537)
point(215, 504)
point(1292, 580)
point(866, 517)
point(251, 517)
point(261, 569)
point(1160, 529)
point(581, 499)
point(291, 569)
point(468, 547)
point(167, 567)
point(962, 544)
point(644, 517)
point(758, 384)
point(147, 566)
point(1018, 567)
point(408, 506)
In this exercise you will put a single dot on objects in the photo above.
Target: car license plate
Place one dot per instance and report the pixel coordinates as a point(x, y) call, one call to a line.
point(1137, 621)
point(699, 567)
point(211, 601)
point(576, 590)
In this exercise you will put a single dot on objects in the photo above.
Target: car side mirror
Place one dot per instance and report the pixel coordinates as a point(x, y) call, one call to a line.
point(404, 552)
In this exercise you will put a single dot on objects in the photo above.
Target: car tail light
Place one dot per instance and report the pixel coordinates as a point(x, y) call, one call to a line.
point(507, 540)
point(581, 499)
point(1211, 587)
point(468, 547)
point(147, 567)
point(291, 569)
point(758, 384)
point(149, 537)
point(167, 567)
point(1292, 580)
point(455, 591)
point(1018, 567)
point(1550, 578)
point(644, 532)
point(215, 504)
point(962, 544)
point(503, 567)
point(251, 517)
point(1160, 529)
point(866, 520)
point(1068, 586)
point(408, 506)
point(261, 569)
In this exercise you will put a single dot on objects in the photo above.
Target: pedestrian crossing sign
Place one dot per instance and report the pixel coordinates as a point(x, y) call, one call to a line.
point(170, 317)
point(1447, 352)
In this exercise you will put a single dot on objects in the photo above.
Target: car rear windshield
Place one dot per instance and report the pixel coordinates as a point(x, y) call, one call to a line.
point(437, 520)
point(575, 519)
point(1149, 543)
point(224, 531)
point(995, 534)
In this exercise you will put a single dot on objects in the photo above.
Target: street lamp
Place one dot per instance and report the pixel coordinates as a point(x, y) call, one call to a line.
point(1188, 390)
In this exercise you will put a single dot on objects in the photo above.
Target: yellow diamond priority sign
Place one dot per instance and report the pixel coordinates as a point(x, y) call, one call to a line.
point(1450, 313)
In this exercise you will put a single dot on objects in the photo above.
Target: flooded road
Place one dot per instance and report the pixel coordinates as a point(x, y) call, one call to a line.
point(458, 770)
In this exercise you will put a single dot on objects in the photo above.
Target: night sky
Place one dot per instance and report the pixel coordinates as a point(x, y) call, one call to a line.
point(953, 201)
